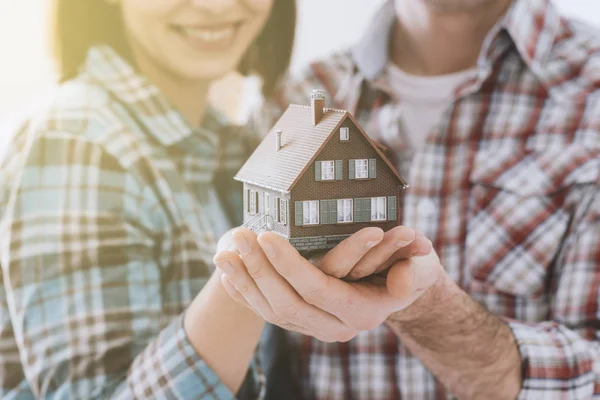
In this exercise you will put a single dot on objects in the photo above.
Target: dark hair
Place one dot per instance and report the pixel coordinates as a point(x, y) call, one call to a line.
point(77, 25)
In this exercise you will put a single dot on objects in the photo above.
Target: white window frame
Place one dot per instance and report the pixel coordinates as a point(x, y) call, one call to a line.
point(361, 168)
point(378, 209)
point(343, 205)
point(276, 209)
point(267, 203)
point(327, 170)
point(310, 207)
point(344, 134)
point(283, 211)
point(252, 201)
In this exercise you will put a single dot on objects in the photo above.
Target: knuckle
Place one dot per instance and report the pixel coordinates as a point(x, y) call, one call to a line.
point(315, 297)
point(256, 273)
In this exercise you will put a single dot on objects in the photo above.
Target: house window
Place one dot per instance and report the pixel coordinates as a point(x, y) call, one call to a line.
point(253, 201)
point(267, 204)
point(361, 168)
point(276, 209)
point(378, 209)
point(311, 212)
point(283, 211)
point(344, 134)
point(327, 170)
point(344, 210)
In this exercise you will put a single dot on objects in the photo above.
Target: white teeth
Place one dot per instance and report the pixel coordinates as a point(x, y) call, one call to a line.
point(210, 35)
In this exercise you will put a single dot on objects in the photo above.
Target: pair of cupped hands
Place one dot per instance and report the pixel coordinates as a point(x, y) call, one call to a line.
point(368, 278)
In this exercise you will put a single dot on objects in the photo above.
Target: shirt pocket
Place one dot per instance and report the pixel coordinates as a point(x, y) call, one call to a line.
point(519, 213)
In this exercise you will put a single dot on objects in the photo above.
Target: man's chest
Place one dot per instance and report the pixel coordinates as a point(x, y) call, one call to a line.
point(495, 187)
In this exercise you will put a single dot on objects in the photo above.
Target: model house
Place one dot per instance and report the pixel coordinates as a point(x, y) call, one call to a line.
point(316, 178)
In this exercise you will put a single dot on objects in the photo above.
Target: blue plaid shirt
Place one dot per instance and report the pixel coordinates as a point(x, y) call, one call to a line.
point(109, 215)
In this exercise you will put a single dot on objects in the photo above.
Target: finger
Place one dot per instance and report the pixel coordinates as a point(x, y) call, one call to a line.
point(234, 294)
point(234, 269)
point(312, 284)
point(225, 243)
point(419, 247)
point(398, 238)
point(340, 260)
point(286, 304)
point(414, 275)
point(265, 312)
point(358, 306)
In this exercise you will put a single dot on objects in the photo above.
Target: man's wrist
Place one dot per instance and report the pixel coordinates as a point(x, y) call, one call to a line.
point(460, 341)
point(425, 306)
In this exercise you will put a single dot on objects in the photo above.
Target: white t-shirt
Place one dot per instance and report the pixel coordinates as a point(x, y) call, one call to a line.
point(423, 99)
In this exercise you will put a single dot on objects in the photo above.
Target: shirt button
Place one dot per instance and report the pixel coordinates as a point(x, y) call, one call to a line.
point(426, 208)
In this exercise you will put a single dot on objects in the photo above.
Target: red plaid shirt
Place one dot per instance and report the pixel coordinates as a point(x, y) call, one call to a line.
point(507, 187)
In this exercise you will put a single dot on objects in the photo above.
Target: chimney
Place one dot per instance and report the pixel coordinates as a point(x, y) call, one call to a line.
point(277, 139)
point(317, 103)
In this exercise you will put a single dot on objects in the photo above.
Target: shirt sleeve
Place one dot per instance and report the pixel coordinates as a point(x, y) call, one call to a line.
point(561, 358)
point(83, 285)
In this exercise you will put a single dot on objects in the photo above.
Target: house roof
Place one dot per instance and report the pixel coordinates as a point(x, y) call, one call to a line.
point(301, 141)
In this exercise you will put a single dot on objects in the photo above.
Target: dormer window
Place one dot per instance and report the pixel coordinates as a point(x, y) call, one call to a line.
point(344, 134)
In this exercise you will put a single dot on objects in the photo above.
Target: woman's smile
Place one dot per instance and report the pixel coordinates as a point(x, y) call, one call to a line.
point(209, 38)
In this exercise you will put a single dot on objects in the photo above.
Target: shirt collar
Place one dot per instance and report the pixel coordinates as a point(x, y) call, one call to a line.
point(532, 25)
point(371, 53)
point(104, 66)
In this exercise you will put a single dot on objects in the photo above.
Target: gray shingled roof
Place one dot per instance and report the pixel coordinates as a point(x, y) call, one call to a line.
point(300, 142)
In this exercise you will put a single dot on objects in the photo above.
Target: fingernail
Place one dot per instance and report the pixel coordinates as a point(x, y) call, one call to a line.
point(402, 243)
point(242, 244)
point(224, 266)
point(268, 248)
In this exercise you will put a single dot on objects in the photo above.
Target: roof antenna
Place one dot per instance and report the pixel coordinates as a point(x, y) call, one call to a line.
point(278, 139)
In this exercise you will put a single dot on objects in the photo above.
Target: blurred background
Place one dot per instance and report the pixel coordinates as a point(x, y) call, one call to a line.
point(26, 71)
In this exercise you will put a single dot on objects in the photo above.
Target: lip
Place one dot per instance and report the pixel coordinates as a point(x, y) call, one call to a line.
point(212, 38)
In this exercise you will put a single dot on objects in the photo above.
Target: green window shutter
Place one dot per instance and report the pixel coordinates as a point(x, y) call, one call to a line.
point(299, 211)
point(351, 169)
point(339, 170)
point(392, 209)
point(324, 210)
point(317, 170)
point(333, 211)
point(366, 209)
point(372, 168)
point(358, 210)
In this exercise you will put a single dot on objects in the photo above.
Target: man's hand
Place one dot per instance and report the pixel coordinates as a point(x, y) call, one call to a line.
point(275, 281)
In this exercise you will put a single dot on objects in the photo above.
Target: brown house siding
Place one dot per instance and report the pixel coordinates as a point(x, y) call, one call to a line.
point(385, 184)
